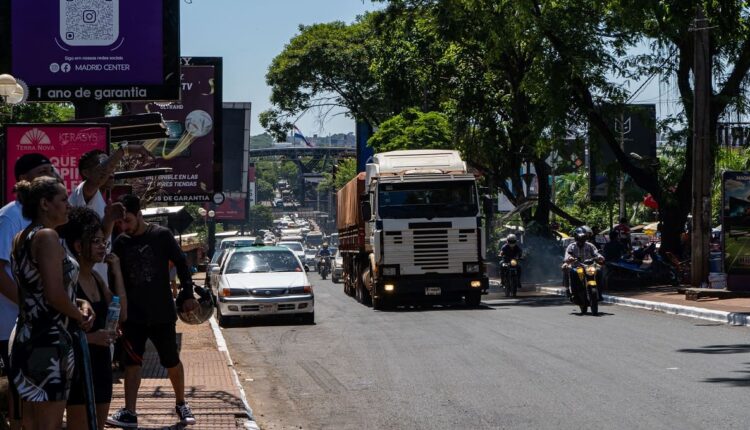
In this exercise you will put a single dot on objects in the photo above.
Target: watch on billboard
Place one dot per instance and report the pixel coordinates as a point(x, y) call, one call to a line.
point(63, 144)
point(84, 50)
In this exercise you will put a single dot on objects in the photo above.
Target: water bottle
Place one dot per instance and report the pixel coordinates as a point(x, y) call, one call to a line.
point(113, 316)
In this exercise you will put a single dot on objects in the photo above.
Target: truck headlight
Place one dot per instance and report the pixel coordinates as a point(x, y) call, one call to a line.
point(476, 284)
point(471, 267)
point(389, 287)
point(389, 270)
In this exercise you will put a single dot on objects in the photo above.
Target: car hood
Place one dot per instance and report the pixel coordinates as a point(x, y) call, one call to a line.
point(266, 280)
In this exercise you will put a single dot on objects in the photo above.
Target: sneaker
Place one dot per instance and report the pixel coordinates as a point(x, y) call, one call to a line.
point(185, 414)
point(123, 418)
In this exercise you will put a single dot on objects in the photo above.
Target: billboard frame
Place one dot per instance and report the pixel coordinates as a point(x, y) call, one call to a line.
point(169, 89)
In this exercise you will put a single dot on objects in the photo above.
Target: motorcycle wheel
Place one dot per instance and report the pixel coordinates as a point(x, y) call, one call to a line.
point(323, 274)
point(594, 294)
point(514, 285)
point(506, 288)
point(581, 300)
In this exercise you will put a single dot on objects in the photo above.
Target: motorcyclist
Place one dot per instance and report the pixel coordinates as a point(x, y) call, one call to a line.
point(580, 250)
point(614, 250)
point(509, 251)
point(324, 255)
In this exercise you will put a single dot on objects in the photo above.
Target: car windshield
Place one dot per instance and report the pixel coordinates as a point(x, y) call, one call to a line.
point(294, 246)
point(262, 261)
point(427, 200)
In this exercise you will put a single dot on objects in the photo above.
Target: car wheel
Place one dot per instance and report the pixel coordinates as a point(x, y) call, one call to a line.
point(224, 321)
point(309, 318)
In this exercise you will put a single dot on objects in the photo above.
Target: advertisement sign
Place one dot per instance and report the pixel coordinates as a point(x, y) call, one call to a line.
point(736, 229)
point(63, 144)
point(236, 121)
point(193, 149)
point(234, 208)
point(84, 50)
point(635, 126)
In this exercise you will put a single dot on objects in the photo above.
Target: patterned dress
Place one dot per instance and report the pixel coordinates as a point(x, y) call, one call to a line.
point(42, 357)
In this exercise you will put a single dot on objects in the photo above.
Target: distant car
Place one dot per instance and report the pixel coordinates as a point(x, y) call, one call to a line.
point(310, 257)
point(263, 280)
point(295, 247)
point(213, 265)
point(237, 241)
point(338, 268)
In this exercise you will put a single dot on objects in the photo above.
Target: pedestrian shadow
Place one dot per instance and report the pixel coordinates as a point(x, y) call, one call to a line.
point(719, 349)
point(733, 382)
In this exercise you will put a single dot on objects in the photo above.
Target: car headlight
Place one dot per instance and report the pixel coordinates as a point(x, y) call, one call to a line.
point(471, 267)
point(591, 270)
point(389, 271)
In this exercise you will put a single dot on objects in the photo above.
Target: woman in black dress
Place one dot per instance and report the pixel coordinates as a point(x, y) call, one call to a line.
point(84, 236)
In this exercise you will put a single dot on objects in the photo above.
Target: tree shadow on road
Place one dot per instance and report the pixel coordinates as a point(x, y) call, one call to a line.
point(719, 349)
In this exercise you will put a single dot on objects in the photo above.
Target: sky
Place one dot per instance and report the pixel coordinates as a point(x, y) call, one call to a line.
point(248, 34)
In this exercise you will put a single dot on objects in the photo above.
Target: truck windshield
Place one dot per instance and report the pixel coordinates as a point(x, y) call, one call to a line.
point(427, 200)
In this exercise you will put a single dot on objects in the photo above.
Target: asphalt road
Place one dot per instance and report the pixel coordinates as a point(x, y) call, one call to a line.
point(529, 363)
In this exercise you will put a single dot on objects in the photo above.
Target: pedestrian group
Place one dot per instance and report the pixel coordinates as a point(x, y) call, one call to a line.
point(62, 260)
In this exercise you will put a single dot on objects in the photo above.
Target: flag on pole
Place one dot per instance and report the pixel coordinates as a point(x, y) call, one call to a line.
point(298, 135)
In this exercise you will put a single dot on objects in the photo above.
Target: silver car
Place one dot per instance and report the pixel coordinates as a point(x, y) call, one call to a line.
point(263, 280)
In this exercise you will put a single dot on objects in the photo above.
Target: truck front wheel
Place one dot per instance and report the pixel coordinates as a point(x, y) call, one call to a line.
point(473, 299)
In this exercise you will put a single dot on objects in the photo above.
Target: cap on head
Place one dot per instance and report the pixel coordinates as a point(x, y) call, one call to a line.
point(27, 162)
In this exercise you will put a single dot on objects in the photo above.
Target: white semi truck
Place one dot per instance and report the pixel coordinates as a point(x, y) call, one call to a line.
point(410, 229)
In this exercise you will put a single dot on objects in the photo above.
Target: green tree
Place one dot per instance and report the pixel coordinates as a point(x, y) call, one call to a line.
point(36, 112)
point(325, 66)
point(413, 129)
point(263, 190)
point(261, 141)
point(260, 217)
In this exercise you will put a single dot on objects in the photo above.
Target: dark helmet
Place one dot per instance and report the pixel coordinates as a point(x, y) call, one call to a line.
point(581, 235)
point(202, 313)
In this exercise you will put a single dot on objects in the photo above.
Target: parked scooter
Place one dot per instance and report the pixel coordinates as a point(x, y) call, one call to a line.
point(324, 266)
point(634, 272)
point(585, 288)
point(511, 277)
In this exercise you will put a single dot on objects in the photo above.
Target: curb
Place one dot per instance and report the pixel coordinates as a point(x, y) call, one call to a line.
point(731, 318)
point(222, 346)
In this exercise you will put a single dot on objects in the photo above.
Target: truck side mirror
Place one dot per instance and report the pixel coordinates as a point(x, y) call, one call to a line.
point(366, 210)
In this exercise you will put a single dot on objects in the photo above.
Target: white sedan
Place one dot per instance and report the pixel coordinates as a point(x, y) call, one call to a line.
point(263, 280)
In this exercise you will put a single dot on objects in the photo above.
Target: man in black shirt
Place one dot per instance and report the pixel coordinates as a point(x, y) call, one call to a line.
point(145, 251)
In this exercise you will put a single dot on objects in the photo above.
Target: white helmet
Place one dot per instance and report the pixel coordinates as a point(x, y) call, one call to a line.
point(511, 239)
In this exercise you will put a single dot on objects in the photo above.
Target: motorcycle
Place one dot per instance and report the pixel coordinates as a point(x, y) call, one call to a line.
point(511, 277)
point(324, 266)
point(659, 271)
point(586, 291)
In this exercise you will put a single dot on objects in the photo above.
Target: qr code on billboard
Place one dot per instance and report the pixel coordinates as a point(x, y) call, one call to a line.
point(89, 22)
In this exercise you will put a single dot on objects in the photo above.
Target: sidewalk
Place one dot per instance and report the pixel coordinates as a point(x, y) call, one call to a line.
point(211, 386)
point(661, 299)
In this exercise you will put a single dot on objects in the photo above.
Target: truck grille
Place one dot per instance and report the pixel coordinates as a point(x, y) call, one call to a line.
point(424, 250)
point(431, 249)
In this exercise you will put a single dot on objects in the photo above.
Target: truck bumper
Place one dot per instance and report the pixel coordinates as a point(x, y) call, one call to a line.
point(433, 287)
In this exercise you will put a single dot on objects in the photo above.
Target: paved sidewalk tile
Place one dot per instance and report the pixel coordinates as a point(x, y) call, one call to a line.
point(209, 386)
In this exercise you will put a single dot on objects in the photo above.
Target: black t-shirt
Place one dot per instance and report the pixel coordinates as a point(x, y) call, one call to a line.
point(145, 268)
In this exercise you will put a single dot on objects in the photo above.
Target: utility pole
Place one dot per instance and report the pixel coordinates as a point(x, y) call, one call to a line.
point(701, 207)
point(622, 174)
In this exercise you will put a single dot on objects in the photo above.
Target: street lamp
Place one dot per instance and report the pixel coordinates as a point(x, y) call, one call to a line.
point(11, 91)
point(210, 225)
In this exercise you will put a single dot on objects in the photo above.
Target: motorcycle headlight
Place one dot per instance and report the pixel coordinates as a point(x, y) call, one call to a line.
point(591, 270)
point(514, 262)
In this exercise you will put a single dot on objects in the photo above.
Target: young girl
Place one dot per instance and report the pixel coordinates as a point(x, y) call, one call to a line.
point(84, 237)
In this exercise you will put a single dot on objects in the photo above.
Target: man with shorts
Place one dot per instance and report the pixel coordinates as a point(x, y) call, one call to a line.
point(145, 251)
point(28, 167)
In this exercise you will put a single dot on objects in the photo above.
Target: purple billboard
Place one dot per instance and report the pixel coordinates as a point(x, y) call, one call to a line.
point(78, 50)
point(193, 148)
